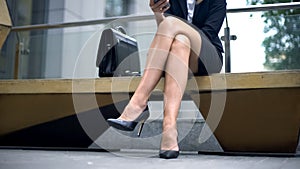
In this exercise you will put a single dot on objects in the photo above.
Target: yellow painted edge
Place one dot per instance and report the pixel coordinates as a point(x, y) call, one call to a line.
point(280, 79)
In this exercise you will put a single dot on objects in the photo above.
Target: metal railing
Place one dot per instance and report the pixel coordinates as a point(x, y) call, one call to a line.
point(226, 38)
point(252, 8)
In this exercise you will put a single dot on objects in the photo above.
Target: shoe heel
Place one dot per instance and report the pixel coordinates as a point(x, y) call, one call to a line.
point(130, 125)
point(140, 129)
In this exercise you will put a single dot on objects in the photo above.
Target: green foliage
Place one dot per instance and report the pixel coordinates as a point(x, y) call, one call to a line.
point(282, 47)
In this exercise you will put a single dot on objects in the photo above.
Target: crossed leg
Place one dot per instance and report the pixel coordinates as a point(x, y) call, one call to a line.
point(174, 49)
point(177, 68)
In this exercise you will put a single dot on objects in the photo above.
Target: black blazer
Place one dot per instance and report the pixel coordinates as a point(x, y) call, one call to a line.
point(208, 17)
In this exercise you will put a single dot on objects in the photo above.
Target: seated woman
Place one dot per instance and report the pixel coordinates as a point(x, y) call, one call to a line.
point(186, 41)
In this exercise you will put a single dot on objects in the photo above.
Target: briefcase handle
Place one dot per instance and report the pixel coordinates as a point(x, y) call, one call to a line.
point(120, 29)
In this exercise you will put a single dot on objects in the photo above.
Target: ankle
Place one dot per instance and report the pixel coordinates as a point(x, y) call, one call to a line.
point(170, 130)
point(139, 100)
point(169, 124)
point(132, 111)
point(169, 139)
point(137, 106)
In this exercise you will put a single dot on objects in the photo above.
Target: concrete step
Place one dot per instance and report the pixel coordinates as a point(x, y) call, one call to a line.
point(193, 133)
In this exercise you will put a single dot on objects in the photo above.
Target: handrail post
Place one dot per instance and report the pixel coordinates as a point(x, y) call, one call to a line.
point(17, 61)
point(227, 38)
point(227, 50)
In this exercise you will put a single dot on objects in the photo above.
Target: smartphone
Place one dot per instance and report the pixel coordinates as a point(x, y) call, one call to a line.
point(168, 5)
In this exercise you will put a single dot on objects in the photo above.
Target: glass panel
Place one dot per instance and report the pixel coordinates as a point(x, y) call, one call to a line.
point(142, 31)
point(7, 57)
point(264, 44)
point(56, 53)
point(68, 52)
point(29, 12)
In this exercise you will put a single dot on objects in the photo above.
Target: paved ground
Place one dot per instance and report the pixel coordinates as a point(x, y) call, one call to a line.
point(37, 159)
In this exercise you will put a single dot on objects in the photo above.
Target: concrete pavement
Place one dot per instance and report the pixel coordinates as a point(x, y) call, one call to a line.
point(134, 159)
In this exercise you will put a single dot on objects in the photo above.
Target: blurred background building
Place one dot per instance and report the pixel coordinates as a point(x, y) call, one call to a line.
point(53, 53)
point(71, 52)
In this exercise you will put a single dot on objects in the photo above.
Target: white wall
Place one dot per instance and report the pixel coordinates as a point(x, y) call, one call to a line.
point(54, 46)
point(76, 38)
point(80, 44)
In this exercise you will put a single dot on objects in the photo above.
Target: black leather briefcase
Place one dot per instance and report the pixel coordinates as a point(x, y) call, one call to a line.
point(118, 54)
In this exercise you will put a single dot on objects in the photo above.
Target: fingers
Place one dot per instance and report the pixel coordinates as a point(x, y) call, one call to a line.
point(161, 6)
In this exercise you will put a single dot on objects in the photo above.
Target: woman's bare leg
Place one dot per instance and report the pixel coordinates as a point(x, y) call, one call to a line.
point(156, 60)
point(159, 55)
point(177, 68)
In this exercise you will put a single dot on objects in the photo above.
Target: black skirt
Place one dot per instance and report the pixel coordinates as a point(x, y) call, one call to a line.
point(210, 59)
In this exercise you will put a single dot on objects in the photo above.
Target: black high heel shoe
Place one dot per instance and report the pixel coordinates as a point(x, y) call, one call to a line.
point(168, 154)
point(130, 125)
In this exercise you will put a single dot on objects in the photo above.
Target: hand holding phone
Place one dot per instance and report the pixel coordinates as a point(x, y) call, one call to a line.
point(166, 6)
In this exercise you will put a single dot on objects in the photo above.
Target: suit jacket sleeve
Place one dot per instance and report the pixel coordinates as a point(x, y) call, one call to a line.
point(214, 21)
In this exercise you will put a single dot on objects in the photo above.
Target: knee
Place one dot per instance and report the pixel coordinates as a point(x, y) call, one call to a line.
point(168, 24)
point(181, 43)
